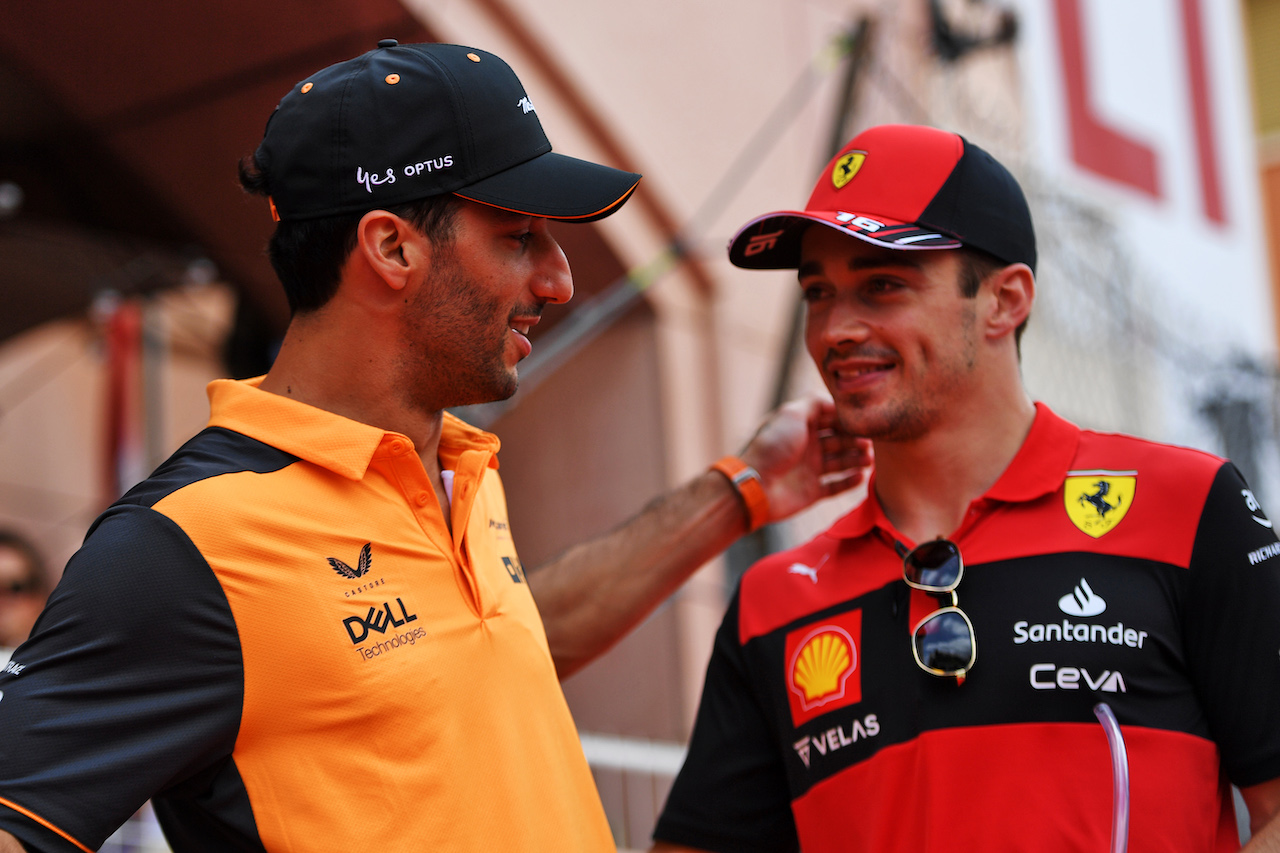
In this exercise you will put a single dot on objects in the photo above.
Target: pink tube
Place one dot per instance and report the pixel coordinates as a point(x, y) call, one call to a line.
point(1119, 777)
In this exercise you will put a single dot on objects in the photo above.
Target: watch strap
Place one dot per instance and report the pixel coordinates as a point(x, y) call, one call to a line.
point(750, 488)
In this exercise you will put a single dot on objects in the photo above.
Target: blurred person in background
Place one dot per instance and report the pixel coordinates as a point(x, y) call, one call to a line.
point(846, 705)
point(23, 588)
point(310, 628)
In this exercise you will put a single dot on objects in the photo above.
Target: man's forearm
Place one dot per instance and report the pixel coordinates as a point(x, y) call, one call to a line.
point(595, 593)
point(9, 844)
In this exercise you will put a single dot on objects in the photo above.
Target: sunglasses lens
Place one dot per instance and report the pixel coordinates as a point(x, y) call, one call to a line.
point(944, 642)
point(933, 564)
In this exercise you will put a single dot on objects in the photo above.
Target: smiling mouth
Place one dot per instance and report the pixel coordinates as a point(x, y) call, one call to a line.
point(520, 325)
point(523, 318)
point(856, 372)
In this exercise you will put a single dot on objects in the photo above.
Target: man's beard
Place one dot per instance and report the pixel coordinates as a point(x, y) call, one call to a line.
point(458, 355)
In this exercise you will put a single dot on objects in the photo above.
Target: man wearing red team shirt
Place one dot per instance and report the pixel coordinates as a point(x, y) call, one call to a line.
point(846, 707)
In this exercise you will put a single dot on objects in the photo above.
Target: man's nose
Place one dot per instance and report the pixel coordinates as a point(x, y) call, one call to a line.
point(844, 323)
point(554, 282)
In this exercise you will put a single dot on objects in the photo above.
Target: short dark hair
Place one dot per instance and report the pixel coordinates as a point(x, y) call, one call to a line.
point(308, 254)
point(975, 266)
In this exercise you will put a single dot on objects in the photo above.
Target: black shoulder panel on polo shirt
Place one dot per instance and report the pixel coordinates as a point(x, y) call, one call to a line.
point(186, 813)
point(132, 683)
point(213, 451)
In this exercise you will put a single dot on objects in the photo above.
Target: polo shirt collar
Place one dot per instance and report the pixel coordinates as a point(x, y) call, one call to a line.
point(1037, 469)
point(323, 438)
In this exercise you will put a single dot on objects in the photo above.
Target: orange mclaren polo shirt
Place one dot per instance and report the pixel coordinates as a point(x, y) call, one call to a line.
point(277, 639)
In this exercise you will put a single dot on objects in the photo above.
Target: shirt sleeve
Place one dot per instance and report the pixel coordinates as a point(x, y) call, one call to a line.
point(1232, 628)
point(731, 794)
point(131, 683)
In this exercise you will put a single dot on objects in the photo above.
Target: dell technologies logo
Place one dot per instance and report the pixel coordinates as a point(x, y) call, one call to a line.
point(378, 619)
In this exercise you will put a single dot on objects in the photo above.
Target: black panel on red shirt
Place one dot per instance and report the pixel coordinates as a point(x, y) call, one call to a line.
point(1164, 610)
point(1232, 630)
point(757, 819)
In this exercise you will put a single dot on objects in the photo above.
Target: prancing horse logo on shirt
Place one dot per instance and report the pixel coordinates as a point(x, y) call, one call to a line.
point(362, 565)
point(1096, 501)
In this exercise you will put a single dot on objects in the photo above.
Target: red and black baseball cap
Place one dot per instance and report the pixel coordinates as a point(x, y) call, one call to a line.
point(404, 122)
point(902, 187)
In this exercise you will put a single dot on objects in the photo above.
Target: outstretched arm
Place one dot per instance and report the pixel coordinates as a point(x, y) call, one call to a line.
point(594, 593)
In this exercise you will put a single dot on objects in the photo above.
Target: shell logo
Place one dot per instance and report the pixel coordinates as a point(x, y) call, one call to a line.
point(821, 666)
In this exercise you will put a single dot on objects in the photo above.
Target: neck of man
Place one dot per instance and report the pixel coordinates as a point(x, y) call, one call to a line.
point(925, 485)
point(321, 364)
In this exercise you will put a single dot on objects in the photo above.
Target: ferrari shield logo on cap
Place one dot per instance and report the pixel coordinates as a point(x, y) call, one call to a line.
point(846, 167)
point(1096, 501)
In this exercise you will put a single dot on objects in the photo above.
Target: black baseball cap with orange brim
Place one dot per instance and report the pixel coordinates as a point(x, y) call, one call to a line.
point(404, 122)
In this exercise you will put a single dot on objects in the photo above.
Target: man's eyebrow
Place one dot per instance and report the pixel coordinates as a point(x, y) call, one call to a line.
point(902, 259)
point(809, 268)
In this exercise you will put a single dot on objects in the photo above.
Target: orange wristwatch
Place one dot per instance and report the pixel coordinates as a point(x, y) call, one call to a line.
point(746, 480)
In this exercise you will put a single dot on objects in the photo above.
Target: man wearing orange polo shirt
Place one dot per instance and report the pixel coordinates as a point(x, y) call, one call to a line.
point(310, 628)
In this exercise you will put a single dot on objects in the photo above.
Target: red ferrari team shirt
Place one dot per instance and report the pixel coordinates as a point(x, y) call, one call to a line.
point(1099, 568)
point(277, 639)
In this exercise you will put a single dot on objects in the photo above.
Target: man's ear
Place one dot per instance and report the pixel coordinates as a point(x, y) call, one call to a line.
point(390, 246)
point(1013, 291)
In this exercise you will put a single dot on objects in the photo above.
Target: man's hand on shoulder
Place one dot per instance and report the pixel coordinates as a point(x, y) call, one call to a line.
point(802, 456)
point(9, 844)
